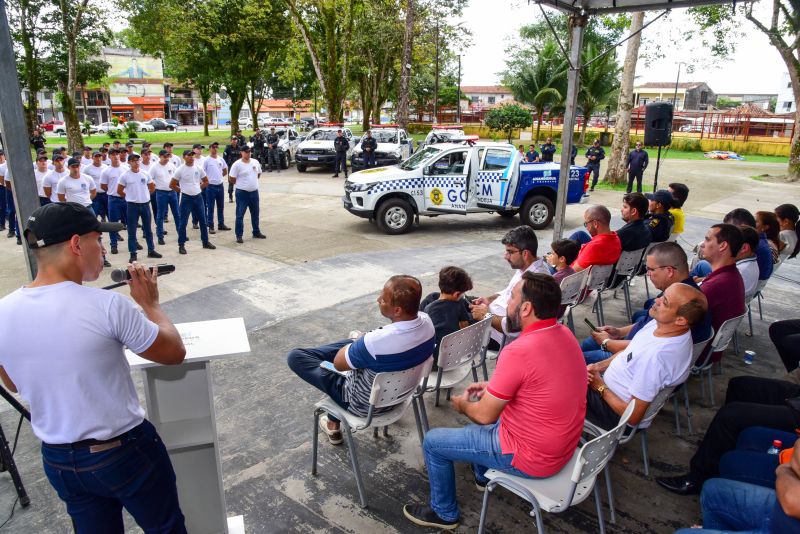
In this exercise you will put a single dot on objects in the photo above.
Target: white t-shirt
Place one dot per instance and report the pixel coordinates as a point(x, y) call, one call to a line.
point(39, 176)
point(145, 167)
point(85, 162)
point(176, 160)
point(107, 162)
point(790, 238)
point(110, 177)
point(76, 378)
point(189, 179)
point(135, 184)
point(162, 175)
point(51, 180)
point(214, 168)
point(94, 172)
point(748, 268)
point(246, 174)
point(77, 189)
point(649, 364)
point(499, 305)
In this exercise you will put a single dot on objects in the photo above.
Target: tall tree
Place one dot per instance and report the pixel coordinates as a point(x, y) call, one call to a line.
point(780, 22)
point(616, 170)
point(599, 83)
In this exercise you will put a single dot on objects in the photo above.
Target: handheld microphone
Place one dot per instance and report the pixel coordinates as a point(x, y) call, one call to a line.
point(123, 275)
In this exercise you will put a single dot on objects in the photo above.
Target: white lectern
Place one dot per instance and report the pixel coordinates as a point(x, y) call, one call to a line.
point(180, 404)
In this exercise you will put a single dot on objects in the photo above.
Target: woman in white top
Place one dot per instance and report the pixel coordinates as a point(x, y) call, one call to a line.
point(789, 221)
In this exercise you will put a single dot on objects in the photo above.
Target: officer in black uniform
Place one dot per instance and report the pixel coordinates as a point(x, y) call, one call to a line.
point(368, 147)
point(548, 149)
point(259, 143)
point(240, 137)
point(595, 154)
point(273, 154)
point(232, 153)
point(341, 145)
point(637, 163)
point(37, 140)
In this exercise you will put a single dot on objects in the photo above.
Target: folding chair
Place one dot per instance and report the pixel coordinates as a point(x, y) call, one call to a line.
point(697, 351)
point(568, 487)
point(642, 270)
point(457, 357)
point(720, 342)
point(624, 270)
point(759, 294)
point(597, 282)
point(572, 287)
point(396, 390)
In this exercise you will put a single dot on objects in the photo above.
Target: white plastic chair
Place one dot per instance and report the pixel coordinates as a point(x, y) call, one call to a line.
point(459, 353)
point(572, 288)
point(720, 342)
point(758, 295)
point(597, 282)
point(697, 351)
point(568, 487)
point(396, 390)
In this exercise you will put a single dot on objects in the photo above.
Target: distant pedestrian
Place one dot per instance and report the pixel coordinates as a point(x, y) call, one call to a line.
point(548, 149)
point(636, 164)
point(595, 154)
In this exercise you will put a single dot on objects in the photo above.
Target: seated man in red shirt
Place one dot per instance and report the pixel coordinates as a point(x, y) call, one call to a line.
point(605, 247)
point(528, 417)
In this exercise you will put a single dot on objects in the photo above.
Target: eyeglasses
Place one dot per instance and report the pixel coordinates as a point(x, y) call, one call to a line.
point(651, 269)
point(512, 252)
point(586, 224)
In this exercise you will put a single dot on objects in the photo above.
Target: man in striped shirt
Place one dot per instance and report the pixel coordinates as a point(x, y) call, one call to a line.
point(405, 343)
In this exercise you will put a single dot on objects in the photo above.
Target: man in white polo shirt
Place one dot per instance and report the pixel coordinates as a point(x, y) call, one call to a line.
point(216, 171)
point(40, 170)
point(173, 158)
point(189, 181)
point(135, 187)
point(117, 209)
point(166, 199)
point(76, 186)
point(86, 158)
point(50, 181)
point(95, 169)
point(244, 175)
point(98, 450)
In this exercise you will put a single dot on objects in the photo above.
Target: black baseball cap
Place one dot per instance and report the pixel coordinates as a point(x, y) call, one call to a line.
point(163, 152)
point(87, 148)
point(57, 157)
point(116, 141)
point(133, 155)
point(662, 195)
point(198, 145)
point(58, 221)
point(234, 137)
point(215, 143)
point(167, 144)
point(245, 148)
point(188, 153)
point(2, 152)
point(73, 161)
point(96, 154)
point(129, 143)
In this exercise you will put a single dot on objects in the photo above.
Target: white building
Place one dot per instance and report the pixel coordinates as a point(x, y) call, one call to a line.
point(786, 103)
point(485, 96)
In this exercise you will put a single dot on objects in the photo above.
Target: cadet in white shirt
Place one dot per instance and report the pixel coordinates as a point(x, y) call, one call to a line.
point(9, 209)
point(146, 163)
point(50, 182)
point(166, 199)
point(86, 158)
point(95, 170)
point(135, 187)
point(189, 181)
point(117, 209)
point(216, 169)
point(244, 175)
point(75, 186)
point(40, 170)
point(173, 158)
point(3, 195)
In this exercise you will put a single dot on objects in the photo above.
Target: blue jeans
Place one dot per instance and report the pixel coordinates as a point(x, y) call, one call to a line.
point(581, 236)
point(135, 211)
point(369, 159)
point(592, 352)
point(100, 204)
point(137, 475)
point(305, 364)
point(195, 206)
point(246, 200)
point(117, 211)
point(166, 200)
point(2, 205)
point(750, 462)
point(215, 194)
point(702, 269)
point(478, 445)
point(731, 506)
point(11, 212)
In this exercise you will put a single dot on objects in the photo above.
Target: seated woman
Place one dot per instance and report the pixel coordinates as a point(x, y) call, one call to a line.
point(789, 221)
point(767, 223)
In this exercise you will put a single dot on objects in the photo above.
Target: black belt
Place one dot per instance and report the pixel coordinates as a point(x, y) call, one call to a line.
point(99, 445)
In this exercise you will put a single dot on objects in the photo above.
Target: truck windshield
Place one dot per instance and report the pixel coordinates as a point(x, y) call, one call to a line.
point(322, 135)
point(419, 158)
point(385, 136)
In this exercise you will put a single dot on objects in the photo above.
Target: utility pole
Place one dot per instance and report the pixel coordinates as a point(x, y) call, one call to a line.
point(436, 79)
point(458, 92)
point(675, 96)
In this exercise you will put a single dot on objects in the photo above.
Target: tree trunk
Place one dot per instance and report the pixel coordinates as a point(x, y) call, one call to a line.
point(582, 138)
point(793, 66)
point(73, 126)
point(237, 102)
point(405, 70)
point(205, 96)
point(616, 172)
point(366, 108)
point(539, 112)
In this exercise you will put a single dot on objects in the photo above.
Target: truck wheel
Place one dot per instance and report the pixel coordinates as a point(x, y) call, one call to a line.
point(506, 214)
point(301, 167)
point(395, 216)
point(537, 212)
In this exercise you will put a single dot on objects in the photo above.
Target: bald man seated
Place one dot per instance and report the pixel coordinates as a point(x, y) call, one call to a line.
point(605, 246)
point(658, 356)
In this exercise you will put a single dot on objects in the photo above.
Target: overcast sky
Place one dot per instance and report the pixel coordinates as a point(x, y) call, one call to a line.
point(756, 67)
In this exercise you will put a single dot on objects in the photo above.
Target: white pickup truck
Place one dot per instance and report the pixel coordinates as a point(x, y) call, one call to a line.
point(460, 179)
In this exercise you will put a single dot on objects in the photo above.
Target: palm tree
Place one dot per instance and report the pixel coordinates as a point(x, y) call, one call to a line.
point(599, 83)
point(541, 84)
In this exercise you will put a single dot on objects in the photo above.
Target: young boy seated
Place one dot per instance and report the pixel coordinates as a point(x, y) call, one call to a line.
point(679, 195)
point(448, 311)
point(563, 252)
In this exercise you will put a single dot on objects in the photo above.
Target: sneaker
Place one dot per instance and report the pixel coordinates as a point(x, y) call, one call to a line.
point(154, 254)
point(133, 258)
point(165, 232)
point(211, 230)
point(114, 250)
point(259, 235)
point(334, 436)
point(335, 176)
point(19, 241)
point(121, 239)
point(11, 234)
point(209, 246)
point(161, 241)
point(181, 249)
point(230, 201)
point(196, 226)
point(239, 240)
point(139, 247)
point(2, 227)
point(223, 228)
point(106, 263)
point(424, 516)
point(480, 485)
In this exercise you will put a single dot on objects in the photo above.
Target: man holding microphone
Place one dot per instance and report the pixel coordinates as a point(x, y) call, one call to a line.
point(99, 452)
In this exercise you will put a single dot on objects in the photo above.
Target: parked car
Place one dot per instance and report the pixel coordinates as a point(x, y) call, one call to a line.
point(61, 129)
point(142, 126)
point(49, 125)
point(106, 127)
point(173, 123)
point(160, 125)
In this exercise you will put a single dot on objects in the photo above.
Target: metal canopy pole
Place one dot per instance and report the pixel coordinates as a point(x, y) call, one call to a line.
point(15, 137)
point(577, 24)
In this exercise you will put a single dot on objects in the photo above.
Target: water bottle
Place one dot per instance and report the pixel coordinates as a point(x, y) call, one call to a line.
point(776, 447)
point(749, 356)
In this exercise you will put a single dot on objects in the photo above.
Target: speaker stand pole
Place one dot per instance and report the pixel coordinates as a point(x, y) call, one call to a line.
point(658, 162)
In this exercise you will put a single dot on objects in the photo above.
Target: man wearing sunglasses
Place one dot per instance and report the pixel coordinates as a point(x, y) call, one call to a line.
point(605, 246)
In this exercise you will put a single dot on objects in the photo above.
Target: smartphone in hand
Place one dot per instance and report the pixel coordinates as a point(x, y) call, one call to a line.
point(589, 323)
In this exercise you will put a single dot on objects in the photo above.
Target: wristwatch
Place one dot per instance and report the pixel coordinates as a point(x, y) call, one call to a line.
point(601, 390)
point(604, 343)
